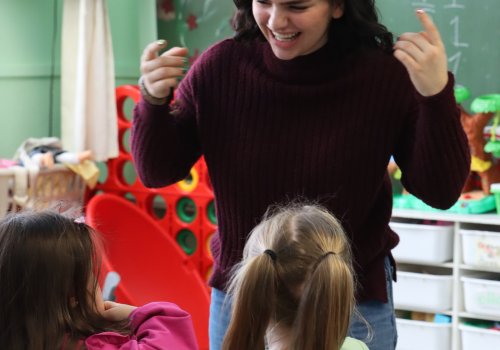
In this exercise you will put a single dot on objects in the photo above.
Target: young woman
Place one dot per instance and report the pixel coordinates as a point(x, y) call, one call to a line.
point(309, 100)
point(50, 298)
point(294, 288)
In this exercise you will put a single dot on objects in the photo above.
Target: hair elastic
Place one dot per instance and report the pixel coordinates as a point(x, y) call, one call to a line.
point(322, 257)
point(271, 253)
point(325, 255)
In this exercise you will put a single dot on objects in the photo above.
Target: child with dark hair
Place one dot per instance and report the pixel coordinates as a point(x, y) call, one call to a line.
point(50, 298)
point(294, 288)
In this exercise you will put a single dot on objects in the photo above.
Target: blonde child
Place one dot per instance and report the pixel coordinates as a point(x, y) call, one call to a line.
point(294, 288)
point(50, 298)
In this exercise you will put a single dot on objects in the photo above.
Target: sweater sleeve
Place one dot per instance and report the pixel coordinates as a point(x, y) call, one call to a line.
point(164, 140)
point(433, 151)
point(154, 326)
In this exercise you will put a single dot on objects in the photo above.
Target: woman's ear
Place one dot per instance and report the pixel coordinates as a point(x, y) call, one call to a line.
point(338, 9)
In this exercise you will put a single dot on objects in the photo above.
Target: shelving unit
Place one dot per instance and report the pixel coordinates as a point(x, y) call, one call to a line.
point(456, 266)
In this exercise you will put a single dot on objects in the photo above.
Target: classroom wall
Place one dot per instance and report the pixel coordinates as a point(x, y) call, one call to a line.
point(30, 35)
point(30, 32)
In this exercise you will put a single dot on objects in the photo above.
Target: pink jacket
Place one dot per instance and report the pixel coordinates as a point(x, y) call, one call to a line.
point(154, 326)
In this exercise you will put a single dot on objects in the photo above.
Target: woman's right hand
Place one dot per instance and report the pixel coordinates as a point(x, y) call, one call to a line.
point(160, 73)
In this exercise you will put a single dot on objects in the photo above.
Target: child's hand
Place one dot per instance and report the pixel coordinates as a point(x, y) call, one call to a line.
point(117, 312)
point(423, 54)
point(161, 73)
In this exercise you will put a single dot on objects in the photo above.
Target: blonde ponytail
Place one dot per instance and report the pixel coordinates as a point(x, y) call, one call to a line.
point(253, 303)
point(324, 311)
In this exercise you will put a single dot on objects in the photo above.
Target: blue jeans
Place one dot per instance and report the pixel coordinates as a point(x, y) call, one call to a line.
point(380, 317)
point(220, 314)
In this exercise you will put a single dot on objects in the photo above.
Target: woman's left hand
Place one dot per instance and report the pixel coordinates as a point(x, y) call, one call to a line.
point(424, 56)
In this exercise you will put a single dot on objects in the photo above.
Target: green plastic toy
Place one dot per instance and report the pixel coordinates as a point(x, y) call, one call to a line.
point(489, 104)
point(461, 93)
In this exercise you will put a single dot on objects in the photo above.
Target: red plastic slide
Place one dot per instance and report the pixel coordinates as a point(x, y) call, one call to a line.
point(150, 264)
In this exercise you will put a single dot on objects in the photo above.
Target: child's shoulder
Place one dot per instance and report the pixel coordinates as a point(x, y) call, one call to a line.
point(353, 344)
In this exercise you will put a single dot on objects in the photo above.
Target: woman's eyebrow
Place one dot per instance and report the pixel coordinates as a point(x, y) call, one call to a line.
point(295, 2)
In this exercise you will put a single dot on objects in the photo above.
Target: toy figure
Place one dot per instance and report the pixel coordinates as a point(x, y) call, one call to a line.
point(47, 151)
point(482, 161)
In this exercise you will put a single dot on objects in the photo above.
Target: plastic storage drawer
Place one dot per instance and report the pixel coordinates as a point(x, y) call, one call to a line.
point(475, 338)
point(481, 296)
point(481, 248)
point(423, 243)
point(421, 291)
point(419, 335)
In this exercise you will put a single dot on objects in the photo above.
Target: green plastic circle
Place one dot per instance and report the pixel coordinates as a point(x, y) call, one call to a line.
point(187, 241)
point(486, 104)
point(211, 213)
point(461, 93)
point(186, 209)
point(157, 206)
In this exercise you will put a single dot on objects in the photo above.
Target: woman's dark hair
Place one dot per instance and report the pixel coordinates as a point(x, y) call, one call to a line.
point(358, 27)
point(48, 276)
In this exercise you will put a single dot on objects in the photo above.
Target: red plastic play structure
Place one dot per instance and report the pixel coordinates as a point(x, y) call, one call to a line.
point(150, 263)
point(157, 239)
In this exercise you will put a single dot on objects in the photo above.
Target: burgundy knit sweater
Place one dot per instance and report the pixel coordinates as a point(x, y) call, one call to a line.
point(320, 127)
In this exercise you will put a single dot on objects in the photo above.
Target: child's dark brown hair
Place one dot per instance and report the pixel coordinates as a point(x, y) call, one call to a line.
point(48, 276)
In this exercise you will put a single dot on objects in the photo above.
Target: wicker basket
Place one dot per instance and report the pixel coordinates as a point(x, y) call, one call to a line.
point(22, 188)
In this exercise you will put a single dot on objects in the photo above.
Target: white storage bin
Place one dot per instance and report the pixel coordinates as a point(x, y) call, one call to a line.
point(420, 335)
point(481, 296)
point(475, 338)
point(420, 291)
point(481, 248)
point(423, 243)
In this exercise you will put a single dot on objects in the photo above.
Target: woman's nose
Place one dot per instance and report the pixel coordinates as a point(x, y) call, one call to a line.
point(277, 19)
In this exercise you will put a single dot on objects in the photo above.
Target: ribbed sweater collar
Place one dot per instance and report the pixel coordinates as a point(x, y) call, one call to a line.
point(321, 65)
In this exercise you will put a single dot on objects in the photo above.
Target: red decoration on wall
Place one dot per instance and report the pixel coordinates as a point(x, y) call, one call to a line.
point(166, 10)
point(168, 6)
point(192, 22)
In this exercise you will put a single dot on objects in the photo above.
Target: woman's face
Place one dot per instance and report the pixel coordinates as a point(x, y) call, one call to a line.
point(295, 27)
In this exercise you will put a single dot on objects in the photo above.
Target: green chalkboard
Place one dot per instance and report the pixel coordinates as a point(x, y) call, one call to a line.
point(470, 30)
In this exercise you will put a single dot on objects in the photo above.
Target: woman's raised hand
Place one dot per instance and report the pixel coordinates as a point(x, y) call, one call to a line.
point(160, 73)
point(424, 56)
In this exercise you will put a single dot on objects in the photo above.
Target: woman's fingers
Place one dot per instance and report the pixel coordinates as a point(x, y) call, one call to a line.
point(429, 27)
point(165, 73)
point(177, 52)
point(150, 52)
point(160, 73)
point(424, 57)
point(413, 44)
point(162, 62)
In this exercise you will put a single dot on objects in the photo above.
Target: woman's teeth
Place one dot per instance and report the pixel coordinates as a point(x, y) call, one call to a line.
point(285, 37)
